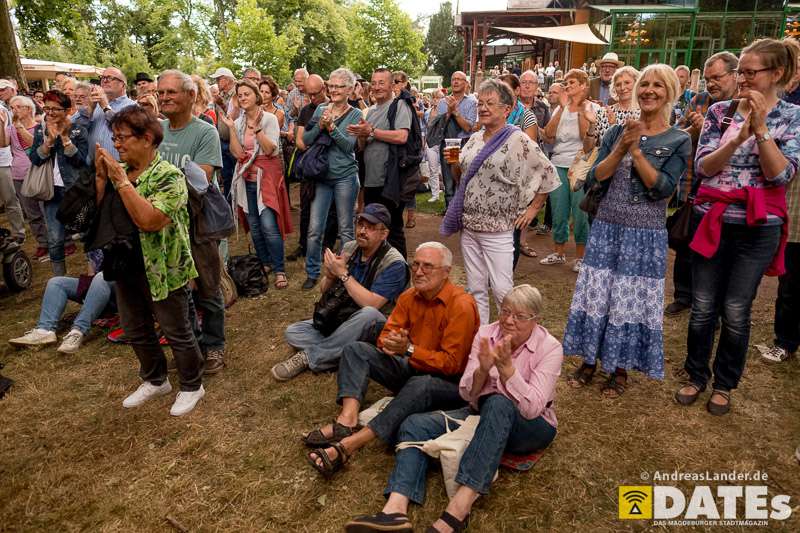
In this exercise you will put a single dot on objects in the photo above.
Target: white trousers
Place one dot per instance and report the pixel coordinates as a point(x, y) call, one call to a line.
point(435, 171)
point(488, 262)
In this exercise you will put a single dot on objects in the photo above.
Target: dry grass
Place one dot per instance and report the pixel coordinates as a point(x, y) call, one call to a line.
point(71, 459)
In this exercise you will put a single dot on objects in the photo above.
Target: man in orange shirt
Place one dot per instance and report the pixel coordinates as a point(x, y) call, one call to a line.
point(420, 356)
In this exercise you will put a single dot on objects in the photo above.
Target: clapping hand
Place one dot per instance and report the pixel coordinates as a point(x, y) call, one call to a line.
point(228, 121)
point(396, 342)
point(695, 118)
point(758, 110)
point(631, 134)
point(563, 100)
point(325, 121)
point(335, 265)
point(498, 355)
point(362, 129)
point(611, 116)
point(98, 96)
point(588, 112)
point(113, 170)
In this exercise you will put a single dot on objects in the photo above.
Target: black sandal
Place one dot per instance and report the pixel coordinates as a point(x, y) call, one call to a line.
point(457, 525)
point(717, 409)
point(614, 386)
point(689, 399)
point(316, 438)
point(396, 522)
point(583, 376)
point(329, 466)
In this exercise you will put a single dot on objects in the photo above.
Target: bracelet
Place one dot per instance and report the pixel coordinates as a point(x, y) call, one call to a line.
point(122, 186)
point(257, 131)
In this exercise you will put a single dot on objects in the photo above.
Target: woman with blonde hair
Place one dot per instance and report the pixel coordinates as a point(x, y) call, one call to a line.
point(742, 216)
point(626, 106)
point(617, 307)
point(202, 102)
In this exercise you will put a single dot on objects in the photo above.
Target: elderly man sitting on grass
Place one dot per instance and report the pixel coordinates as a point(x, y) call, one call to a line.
point(420, 356)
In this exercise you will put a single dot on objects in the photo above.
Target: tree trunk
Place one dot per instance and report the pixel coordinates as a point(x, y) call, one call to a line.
point(10, 65)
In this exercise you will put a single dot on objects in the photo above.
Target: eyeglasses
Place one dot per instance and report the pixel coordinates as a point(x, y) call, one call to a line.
point(750, 74)
point(52, 109)
point(313, 95)
point(529, 82)
point(253, 78)
point(121, 137)
point(490, 104)
point(427, 268)
point(718, 78)
point(110, 78)
point(398, 81)
point(337, 87)
point(518, 317)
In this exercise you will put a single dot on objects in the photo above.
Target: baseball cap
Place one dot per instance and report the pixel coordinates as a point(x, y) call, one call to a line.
point(222, 71)
point(6, 84)
point(376, 214)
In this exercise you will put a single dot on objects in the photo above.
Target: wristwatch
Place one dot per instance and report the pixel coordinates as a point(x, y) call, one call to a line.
point(371, 136)
point(106, 109)
point(344, 277)
point(257, 131)
point(763, 138)
point(410, 350)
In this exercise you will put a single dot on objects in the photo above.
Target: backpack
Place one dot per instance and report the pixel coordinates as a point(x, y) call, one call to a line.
point(248, 275)
point(312, 165)
point(407, 156)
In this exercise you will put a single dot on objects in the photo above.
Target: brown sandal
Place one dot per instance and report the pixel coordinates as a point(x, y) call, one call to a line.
point(280, 281)
point(329, 466)
point(615, 385)
point(316, 438)
point(719, 409)
point(527, 251)
point(689, 399)
point(582, 376)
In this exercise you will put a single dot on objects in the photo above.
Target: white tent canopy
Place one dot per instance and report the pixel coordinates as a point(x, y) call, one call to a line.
point(577, 33)
point(36, 69)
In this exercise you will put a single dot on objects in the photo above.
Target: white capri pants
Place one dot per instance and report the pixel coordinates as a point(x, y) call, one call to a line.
point(488, 262)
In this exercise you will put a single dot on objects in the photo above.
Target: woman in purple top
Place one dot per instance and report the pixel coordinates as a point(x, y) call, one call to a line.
point(510, 380)
point(758, 154)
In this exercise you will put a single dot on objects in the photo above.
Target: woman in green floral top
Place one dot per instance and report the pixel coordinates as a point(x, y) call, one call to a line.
point(155, 197)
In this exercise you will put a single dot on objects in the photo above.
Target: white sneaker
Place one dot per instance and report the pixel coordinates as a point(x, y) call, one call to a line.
point(554, 259)
point(72, 342)
point(773, 354)
point(35, 337)
point(433, 199)
point(186, 401)
point(576, 266)
point(146, 391)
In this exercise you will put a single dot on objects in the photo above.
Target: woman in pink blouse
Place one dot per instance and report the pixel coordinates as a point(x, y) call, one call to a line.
point(510, 380)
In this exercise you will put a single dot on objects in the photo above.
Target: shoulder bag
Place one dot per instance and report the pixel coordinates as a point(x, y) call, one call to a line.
point(38, 183)
point(679, 222)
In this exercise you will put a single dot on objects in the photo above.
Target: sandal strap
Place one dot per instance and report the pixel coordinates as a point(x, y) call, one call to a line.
point(343, 456)
point(453, 522)
point(724, 393)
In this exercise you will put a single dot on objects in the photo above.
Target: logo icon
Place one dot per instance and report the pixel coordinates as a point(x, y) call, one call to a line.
point(636, 502)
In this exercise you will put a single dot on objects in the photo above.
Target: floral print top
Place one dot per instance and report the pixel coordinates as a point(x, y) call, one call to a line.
point(621, 116)
point(505, 183)
point(744, 168)
point(167, 253)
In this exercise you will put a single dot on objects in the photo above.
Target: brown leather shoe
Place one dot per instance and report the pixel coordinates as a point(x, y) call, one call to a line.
point(214, 361)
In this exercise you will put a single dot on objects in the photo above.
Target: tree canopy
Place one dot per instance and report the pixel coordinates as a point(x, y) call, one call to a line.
point(443, 44)
point(274, 36)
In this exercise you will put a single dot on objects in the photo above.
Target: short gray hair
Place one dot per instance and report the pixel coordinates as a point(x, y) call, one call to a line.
point(683, 67)
point(187, 83)
point(525, 297)
point(447, 255)
point(729, 58)
point(25, 102)
point(345, 75)
point(530, 73)
point(500, 88)
point(84, 86)
point(302, 71)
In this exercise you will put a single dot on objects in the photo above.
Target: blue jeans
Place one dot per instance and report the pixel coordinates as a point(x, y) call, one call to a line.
point(501, 429)
point(264, 230)
point(727, 284)
point(342, 192)
point(414, 391)
point(324, 352)
point(61, 289)
point(228, 166)
point(55, 229)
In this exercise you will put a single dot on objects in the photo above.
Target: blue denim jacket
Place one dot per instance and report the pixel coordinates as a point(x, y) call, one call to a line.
point(69, 161)
point(668, 152)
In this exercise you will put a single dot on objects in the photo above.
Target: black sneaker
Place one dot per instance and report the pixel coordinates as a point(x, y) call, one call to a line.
point(297, 254)
point(397, 522)
point(676, 308)
point(309, 284)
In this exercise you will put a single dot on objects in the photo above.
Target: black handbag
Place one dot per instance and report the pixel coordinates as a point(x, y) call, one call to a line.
point(312, 165)
point(247, 273)
point(78, 207)
point(679, 223)
point(336, 305)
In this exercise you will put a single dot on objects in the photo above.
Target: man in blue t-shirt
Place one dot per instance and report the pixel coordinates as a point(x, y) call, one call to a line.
point(318, 351)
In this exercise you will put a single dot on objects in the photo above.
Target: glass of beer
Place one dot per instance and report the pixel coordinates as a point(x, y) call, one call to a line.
point(452, 149)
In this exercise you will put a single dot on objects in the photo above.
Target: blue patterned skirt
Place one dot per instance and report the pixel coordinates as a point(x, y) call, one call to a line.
point(617, 308)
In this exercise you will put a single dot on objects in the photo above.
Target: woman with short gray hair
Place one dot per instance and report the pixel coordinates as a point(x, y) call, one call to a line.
point(510, 380)
point(502, 171)
point(340, 184)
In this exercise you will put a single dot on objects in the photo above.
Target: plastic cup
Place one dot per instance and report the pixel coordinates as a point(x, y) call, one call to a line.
point(452, 149)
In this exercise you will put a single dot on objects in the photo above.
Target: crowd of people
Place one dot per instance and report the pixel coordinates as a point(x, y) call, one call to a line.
point(602, 150)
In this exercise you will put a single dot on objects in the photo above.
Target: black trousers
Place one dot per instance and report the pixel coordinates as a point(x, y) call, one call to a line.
point(397, 236)
point(138, 314)
point(787, 305)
